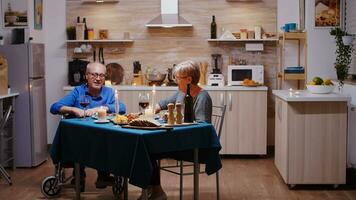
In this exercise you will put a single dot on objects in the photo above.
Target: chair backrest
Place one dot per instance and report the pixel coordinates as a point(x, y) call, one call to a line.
point(217, 118)
point(5, 118)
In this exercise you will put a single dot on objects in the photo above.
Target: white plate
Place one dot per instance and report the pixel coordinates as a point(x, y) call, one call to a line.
point(101, 121)
point(184, 124)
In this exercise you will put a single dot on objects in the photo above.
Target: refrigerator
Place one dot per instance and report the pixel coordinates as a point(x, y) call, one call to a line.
point(26, 70)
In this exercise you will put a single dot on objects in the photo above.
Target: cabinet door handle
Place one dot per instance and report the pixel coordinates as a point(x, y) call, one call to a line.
point(230, 102)
point(221, 99)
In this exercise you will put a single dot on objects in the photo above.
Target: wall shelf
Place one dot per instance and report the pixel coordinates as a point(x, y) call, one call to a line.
point(99, 41)
point(293, 35)
point(243, 40)
point(290, 76)
point(302, 57)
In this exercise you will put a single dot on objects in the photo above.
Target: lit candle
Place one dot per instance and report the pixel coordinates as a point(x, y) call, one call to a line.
point(153, 98)
point(116, 102)
point(149, 112)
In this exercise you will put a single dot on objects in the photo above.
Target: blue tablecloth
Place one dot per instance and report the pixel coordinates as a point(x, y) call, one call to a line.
point(126, 152)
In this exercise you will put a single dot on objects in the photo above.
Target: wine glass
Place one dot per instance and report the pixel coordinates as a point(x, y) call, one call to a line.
point(143, 102)
point(84, 101)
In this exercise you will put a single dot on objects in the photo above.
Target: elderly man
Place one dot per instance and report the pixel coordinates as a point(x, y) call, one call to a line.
point(100, 96)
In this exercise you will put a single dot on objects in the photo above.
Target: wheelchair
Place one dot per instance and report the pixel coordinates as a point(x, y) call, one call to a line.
point(52, 185)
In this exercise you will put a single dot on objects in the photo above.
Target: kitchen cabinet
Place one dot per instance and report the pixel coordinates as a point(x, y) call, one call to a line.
point(245, 126)
point(310, 137)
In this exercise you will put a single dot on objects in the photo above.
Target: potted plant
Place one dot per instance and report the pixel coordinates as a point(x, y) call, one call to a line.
point(71, 35)
point(347, 39)
point(343, 55)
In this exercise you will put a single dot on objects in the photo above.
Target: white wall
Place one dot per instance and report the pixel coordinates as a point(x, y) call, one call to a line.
point(321, 47)
point(56, 57)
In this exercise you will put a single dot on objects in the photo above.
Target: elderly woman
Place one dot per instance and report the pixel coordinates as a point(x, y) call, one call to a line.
point(186, 73)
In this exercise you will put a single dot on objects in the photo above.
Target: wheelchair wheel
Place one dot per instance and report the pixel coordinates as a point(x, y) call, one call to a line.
point(118, 187)
point(49, 187)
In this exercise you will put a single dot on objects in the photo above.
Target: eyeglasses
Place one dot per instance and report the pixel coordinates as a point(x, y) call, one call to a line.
point(96, 75)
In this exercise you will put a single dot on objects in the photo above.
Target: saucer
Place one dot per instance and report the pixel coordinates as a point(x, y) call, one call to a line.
point(101, 121)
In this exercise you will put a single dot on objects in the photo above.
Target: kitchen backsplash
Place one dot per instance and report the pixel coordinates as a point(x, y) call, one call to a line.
point(161, 48)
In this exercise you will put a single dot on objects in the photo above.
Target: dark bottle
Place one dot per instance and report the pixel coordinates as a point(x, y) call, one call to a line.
point(85, 29)
point(188, 106)
point(78, 19)
point(213, 29)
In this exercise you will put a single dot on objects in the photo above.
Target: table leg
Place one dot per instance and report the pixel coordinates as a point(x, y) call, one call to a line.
point(196, 174)
point(77, 180)
point(126, 192)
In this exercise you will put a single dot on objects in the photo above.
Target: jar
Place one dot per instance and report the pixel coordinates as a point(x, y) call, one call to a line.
point(251, 34)
point(103, 34)
point(258, 31)
point(243, 35)
point(90, 34)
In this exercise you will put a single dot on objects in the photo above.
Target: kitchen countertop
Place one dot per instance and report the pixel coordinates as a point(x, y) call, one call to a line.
point(306, 96)
point(8, 95)
point(170, 88)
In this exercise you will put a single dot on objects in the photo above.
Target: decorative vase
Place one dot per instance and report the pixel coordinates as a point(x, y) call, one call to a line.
point(347, 39)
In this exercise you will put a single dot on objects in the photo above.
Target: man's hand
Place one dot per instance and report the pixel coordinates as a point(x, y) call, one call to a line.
point(78, 112)
point(92, 111)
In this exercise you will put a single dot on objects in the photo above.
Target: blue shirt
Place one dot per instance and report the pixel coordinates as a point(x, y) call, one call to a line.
point(106, 98)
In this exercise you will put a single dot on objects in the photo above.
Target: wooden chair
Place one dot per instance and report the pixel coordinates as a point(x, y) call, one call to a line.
point(3, 122)
point(217, 121)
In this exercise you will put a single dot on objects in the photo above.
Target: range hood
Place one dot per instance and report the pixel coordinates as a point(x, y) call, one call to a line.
point(169, 16)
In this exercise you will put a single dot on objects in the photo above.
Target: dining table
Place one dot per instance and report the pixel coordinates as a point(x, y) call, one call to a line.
point(126, 152)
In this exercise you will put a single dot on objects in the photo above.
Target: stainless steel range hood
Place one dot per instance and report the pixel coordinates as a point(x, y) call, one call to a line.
point(169, 16)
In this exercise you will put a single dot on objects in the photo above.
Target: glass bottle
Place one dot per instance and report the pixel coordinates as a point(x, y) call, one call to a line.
point(188, 106)
point(85, 29)
point(213, 29)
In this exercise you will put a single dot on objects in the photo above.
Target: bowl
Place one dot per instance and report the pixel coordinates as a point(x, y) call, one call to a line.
point(320, 89)
point(11, 19)
point(157, 77)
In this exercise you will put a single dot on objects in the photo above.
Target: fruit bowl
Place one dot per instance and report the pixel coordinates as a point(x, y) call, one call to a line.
point(320, 89)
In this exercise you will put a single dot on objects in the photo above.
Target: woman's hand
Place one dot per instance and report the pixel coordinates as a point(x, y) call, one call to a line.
point(157, 109)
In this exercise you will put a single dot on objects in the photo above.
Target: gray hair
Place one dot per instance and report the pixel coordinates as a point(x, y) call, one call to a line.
point(188, 68)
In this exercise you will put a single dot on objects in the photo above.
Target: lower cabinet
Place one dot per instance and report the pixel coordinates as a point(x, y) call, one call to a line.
point(245, 126)
point(310, 142)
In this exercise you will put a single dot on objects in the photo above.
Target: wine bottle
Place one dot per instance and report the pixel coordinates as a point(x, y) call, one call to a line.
point(78, 19)
point(85, 29)
point(188, 106)
point(213, 29)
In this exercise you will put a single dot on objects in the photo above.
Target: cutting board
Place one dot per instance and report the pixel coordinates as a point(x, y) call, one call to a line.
point(3, 75)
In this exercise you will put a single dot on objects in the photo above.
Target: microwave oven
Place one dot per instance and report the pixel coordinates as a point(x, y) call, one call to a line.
point(237, 74)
